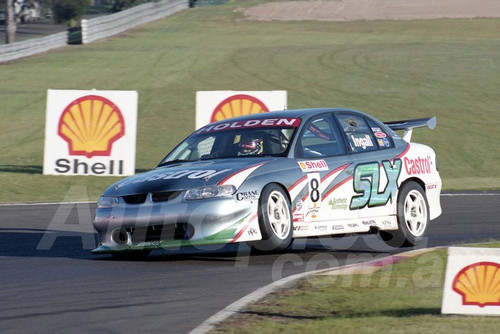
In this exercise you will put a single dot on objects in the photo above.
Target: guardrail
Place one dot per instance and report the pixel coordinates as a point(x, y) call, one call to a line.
point(33, 46)
point(95, 29)
point(109, 25)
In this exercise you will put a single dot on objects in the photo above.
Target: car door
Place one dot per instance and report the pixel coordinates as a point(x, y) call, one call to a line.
point(376, 170)
point(322, 156)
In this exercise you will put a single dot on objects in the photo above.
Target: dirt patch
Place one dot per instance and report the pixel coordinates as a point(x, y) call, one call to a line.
point(367, 10)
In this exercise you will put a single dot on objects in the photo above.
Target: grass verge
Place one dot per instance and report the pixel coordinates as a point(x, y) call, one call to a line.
point(392, 70)
point(400, 298)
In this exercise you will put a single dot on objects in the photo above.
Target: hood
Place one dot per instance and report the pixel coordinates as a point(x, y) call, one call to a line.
point(182, 176)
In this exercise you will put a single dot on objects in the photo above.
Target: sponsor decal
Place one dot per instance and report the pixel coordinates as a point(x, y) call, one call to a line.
point(298, 217)
point(320, 228)
point(189, 174)
point(472, 281)
point(149, 243)
point(384, 142)
point(366, 183)
point(352, 225)
point(90, 125)
point(238, 105)
point(252, 123)
point(369, 222)
point(90, 132)
point(431, 186)
point(301, 228)
point(299, 206)
point(247, 195)
point(214, 106)
point(338, 227)
point(313, 166)
point(362, 141)
point(313, 213)
point(418, 165)
point(478, 284)
point(252, 231)
point(75, 166)
point(338, 203)
point(380, 134)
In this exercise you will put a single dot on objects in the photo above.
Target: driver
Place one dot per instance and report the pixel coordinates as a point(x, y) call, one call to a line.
point(251, 145)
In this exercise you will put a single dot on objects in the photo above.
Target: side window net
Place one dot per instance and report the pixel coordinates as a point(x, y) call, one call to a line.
point(320, 139)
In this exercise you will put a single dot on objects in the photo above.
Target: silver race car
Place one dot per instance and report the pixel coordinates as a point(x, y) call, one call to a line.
point(268, 178)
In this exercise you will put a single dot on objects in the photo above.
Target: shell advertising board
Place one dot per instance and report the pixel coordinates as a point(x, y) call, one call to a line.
point(472, 281)
point(212, 106)
point(90, 132)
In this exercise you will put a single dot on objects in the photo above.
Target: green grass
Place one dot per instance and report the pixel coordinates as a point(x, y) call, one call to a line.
point(392, 70)
point(402, 298)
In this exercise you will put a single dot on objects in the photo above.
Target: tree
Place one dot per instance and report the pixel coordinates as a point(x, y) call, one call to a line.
point(120, 5)
point(69, 11)
point(10, 22)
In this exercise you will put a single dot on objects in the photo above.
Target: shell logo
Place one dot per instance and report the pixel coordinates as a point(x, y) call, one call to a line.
point(302, 165)
point(479, 284)
point(238, 105)
point(90, 125)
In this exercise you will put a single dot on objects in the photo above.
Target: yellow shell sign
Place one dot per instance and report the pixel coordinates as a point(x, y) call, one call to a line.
point(479, 284)
point(90, 125)
point(238, 105)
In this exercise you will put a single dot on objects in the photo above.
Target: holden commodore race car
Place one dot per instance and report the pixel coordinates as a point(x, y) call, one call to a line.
point(268, 178)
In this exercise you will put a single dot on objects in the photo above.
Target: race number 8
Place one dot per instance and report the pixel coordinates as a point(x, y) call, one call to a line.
point(314, 182)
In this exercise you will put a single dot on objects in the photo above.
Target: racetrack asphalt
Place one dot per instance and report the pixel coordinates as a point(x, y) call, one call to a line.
point(52, 283)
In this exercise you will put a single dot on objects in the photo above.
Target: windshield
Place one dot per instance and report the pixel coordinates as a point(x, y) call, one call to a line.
point(227, 142)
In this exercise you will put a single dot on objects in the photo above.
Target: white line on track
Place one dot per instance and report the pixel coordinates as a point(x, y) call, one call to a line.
point(471, 194)
point(47, 203)
point(94, 202)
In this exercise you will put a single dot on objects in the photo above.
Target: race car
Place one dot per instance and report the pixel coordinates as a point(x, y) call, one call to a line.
point(267, 178)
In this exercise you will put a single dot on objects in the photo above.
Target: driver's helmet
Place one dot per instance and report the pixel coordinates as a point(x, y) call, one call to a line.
point(251, 145)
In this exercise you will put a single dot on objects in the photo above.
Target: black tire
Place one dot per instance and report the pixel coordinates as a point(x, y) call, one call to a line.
point(275, 220)
point(413, 218)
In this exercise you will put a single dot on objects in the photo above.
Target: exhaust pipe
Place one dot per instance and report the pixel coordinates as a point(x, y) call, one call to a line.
point(120, 236)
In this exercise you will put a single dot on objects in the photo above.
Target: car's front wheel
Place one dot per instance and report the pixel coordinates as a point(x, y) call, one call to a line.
point(413, 217)
point(275, 219)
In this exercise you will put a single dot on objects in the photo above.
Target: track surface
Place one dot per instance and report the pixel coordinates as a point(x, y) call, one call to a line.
point(52, 284)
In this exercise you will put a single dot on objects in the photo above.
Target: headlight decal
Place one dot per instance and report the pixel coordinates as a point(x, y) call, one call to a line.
point(210, 192)
point(108, 202)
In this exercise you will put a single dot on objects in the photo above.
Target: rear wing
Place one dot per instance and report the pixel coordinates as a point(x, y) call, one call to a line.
point(411, 124)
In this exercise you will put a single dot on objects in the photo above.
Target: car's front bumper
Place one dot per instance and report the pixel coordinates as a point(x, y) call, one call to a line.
point(176, 223)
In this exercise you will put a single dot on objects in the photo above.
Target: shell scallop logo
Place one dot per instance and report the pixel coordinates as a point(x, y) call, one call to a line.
point(90, 125)
point(238, 105)
point(479, 284)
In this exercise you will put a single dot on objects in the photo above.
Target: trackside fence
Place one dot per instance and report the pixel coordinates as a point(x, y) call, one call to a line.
point(109, 25)
point(33, 46)
point(95, 29)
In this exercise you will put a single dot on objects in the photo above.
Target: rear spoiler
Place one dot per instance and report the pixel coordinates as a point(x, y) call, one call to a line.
point(411, 124)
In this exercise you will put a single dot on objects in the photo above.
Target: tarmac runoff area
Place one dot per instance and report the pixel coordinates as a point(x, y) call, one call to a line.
point(290, 281)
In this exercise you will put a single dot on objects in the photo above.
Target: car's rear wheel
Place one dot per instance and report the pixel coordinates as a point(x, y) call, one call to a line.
point(413, 217)
point(275, 220)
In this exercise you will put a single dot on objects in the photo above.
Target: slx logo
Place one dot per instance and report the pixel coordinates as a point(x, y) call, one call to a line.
point(366, 183)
